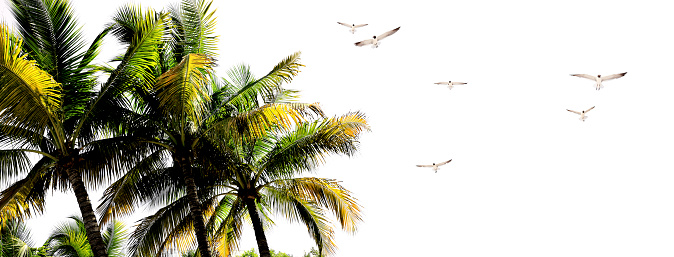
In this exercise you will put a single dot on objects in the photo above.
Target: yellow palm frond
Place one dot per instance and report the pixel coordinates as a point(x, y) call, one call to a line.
point(14, 202)
point(327, 193)
point(349, 125)
point(182, 89)
point(29, 96)
point(257, 123)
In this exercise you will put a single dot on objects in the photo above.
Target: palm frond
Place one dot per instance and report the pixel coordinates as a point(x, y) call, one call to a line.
point(29, 97)
point(108, 158)
point(138, 184)
point(54, 40)
point(258, 122)
point(26, 197)
point(69, 239)
point(52, 35)
point(300, 209)
point(194, 28)
point(16, 237)
point(169, 227)
point(307, 146)
point(115, 236)
point(326, 193)
point(182, 90)
point(12, 163)
point(267, 86)
point(94, 49)
point(142, 32)
point(226, 224)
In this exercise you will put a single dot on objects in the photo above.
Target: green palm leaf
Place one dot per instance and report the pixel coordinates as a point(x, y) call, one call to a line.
point(307, 146)
point(15, 239)
point(70, 239)
point(194, 29)
point(247, 88)
point(143, 33)
point(115, 236)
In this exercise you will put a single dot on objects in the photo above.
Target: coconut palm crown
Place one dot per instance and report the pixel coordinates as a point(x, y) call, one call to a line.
point(52, 106)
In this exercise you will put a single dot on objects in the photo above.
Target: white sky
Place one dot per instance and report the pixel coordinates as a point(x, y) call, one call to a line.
point(527, 177)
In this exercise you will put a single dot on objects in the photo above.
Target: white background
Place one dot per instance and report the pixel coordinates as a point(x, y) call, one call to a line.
point(527, 177)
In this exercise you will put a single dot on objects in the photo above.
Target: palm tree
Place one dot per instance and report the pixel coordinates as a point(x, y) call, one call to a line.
point(171, 114)
point(187, 143)
point(266, 179)
point(49, 106)
point(69, 239)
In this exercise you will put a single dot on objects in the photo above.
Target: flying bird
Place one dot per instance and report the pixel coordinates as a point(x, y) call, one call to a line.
point(599, 78)
point(375, 39)
point(352, 26)
point(435, 166)
point(450, 84)
point(582, 113)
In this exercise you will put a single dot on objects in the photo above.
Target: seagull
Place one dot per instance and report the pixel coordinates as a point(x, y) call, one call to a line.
point(352, 26)
point(450, 84)
point(375, 39)
point(435, 166)
point(599, 78)
point(582, 113)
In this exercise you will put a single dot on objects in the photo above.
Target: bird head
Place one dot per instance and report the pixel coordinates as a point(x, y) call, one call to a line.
point(375, 37)
point(598, 76)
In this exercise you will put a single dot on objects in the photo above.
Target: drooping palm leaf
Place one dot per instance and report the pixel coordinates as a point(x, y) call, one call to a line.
point(169, 227)
point(12, 162)
point(327, 193)
point(29, 97)
point(122, 196)
point(296, 208)
point(142, 32)
point(182, 89)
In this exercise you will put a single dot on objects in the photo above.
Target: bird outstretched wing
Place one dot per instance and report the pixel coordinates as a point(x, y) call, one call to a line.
point(574, 111)
point(342, 23)
point(421, 165)
point(614, 76)
point(360, 25)
point(445, 162)
point(584, 76)
point(364, 42)
point(388, 33)
point(589, 109)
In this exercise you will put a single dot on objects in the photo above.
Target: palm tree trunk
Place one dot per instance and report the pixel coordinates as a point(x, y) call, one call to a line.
point(257, 226)
point(197, 213)
point(88, 216)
